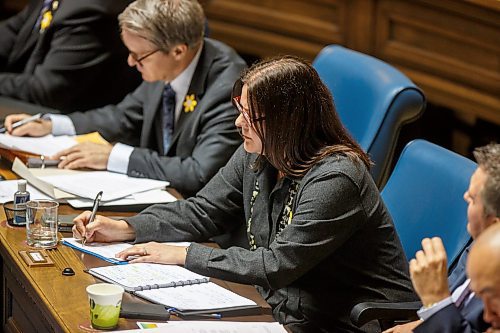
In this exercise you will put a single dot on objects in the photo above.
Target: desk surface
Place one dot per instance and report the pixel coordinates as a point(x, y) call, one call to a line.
point(42, 299)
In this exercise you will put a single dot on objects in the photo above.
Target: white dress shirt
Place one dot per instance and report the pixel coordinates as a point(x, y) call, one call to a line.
point(426, 313)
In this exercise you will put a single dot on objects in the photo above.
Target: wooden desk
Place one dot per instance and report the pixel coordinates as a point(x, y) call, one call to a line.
point(41, 299)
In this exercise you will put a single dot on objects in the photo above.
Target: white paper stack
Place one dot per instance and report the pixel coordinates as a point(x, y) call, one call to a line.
point(47, 145)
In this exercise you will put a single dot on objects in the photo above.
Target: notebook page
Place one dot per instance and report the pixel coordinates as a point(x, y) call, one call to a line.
point(139, 275)
point(203, 296)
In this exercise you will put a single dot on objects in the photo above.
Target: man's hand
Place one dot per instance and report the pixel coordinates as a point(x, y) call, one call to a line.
point(85, 155)
point(429, 272)
point(38, 127)
point(404, 328)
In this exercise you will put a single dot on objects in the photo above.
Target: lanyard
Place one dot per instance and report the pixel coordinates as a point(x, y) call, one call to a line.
point(286, 213)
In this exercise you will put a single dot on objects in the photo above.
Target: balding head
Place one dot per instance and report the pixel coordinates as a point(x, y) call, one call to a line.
point(483, 268)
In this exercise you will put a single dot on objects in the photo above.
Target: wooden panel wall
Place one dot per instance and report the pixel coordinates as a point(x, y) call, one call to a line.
point(269, 27)
point(450, 48)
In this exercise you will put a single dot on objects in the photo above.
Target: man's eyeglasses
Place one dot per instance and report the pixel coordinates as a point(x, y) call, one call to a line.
point(246, 115)
point(139, 60)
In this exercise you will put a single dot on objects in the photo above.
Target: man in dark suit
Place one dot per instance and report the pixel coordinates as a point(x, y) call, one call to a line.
point(483, 268)
point(459, 311)
point(65, 54)
point(180, 120)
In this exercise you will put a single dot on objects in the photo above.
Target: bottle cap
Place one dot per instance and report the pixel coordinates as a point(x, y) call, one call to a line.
point(21, 185)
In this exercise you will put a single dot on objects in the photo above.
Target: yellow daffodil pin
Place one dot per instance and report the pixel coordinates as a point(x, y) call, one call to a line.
point(46, 20)
point(190, 103)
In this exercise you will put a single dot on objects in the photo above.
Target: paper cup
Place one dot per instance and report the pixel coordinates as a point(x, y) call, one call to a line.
point(105, 300)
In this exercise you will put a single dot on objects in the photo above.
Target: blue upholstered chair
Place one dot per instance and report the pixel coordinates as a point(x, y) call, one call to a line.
point(424, 196)
point(374, 100)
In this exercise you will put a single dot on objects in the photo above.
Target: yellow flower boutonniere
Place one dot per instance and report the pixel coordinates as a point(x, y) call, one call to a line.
point(190, 103)
point(46, 20)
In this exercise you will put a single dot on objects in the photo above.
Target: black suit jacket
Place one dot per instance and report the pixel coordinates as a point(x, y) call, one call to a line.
point(452, 320)
point(77, 63)
point(203, 140)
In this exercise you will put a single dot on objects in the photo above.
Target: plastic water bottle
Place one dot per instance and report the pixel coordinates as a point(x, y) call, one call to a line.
point(20, 198)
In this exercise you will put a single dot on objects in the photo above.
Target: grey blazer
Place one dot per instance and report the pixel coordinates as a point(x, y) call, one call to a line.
point(340, 248)
point(78, 63)
point(203, 140)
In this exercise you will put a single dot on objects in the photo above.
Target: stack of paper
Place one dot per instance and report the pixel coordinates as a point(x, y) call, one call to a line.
point(81, 187)
point(113, 185)
point(48, 145)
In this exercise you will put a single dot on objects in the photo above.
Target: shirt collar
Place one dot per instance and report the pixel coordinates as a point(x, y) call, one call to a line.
point(182, 82)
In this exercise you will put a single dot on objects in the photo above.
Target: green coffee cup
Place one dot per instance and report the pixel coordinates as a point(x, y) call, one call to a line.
point(105, 300)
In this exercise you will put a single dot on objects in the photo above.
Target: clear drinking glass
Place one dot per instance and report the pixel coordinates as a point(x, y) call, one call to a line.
point(41, 223)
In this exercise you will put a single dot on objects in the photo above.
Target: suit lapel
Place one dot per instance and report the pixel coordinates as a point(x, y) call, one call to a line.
point(195, 92)
point(27, 36)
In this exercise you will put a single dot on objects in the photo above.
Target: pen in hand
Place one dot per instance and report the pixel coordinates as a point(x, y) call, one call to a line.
point(22, 122)
point(95, 206)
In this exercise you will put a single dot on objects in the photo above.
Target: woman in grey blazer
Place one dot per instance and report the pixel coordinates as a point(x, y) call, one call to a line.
point(318, 238)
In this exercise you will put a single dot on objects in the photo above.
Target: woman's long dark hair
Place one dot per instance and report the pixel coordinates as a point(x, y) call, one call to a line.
point(301, 125)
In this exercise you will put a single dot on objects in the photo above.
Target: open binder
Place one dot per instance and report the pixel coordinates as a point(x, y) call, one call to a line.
point(183, 292)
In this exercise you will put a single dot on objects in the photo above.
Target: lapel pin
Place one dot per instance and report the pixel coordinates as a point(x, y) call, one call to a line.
point(190, 103)
point(46, 20)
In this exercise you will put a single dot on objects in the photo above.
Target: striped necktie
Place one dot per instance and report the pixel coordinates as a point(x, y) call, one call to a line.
point(168, 116)
point(464, 296)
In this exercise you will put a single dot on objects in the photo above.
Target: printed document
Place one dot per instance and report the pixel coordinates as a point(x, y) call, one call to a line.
point(113, 185)
point(192, 326)
point(48, 145)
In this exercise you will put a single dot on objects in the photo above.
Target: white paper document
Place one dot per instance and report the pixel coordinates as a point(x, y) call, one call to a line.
point(9, 187)
point(113, 185)
point(203, 296)
point(23, 172)
point(192, 326)
point(48, 145)
point(142, 198)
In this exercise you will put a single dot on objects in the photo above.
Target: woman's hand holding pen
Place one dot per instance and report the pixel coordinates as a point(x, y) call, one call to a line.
point(39, 127)
point(102, 229)
point(156, 253)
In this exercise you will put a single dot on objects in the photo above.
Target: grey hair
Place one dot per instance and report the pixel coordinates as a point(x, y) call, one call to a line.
point(165, 23)
point(488, 158)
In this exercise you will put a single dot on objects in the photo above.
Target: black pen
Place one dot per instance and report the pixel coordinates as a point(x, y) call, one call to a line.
point(177, 313)
point(95, 206)
point(22, 122)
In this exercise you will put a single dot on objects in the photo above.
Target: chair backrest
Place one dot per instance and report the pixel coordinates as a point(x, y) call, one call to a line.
point(374, 100)
point(424, 196)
